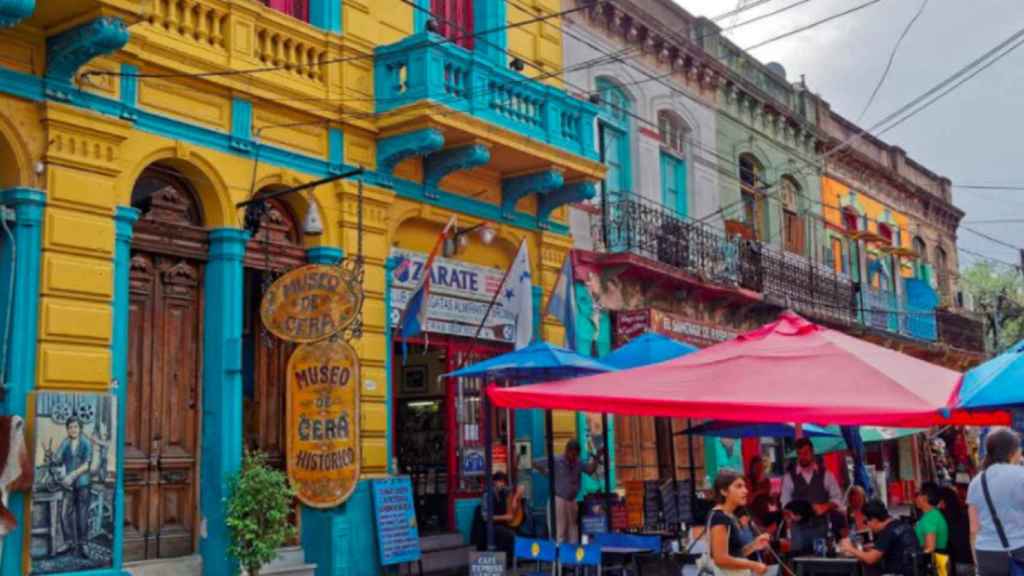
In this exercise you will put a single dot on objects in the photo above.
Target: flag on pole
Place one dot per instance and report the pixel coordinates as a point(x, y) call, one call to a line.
point(414, 317)
point(562, 304)
point(517, 296)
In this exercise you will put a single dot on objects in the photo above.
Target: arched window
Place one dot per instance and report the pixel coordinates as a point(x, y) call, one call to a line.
point(792, 223)
point(850, 220)
point(922, 249)
point(751, 180)
point(614, 126)
point(672, 131)
point(885, 231)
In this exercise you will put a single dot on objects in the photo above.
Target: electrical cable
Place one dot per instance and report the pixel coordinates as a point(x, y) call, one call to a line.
point(732, 27)
point(989, 258)
point(813, 25)
point(739, 10)
point(996, 221)
point(987, 187)
point(892, 58)
point(992, 239)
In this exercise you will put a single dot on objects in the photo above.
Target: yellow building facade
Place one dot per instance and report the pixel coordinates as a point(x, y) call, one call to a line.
point(130, 132)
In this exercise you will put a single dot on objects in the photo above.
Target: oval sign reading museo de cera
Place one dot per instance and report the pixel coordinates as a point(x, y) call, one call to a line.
point(323, 422)
point(311, 303)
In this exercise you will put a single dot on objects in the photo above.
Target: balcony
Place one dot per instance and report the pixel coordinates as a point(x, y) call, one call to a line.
point(960, 330)
point(647, 229)
point(425, 78)
point(794, 281)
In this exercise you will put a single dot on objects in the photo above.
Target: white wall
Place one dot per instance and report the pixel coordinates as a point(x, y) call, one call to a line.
point(649, 97)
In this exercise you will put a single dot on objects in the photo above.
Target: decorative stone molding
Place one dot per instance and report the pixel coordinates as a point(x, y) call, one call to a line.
point(72, 49)
point(516, 187)
point(14, 11)
point(568, 194)
point(394, 149)
point(440, 164)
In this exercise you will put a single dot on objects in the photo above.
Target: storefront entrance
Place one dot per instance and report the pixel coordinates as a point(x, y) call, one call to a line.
point(164, 359)
point(438, 434)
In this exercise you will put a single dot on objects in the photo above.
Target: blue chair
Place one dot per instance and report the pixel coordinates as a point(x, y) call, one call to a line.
point(537, 551)
point(579, 556)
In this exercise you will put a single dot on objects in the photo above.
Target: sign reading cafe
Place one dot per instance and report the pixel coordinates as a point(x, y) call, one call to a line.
point(323, 422)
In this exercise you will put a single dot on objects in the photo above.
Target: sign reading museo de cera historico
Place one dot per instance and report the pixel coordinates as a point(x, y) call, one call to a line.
point(312, 305)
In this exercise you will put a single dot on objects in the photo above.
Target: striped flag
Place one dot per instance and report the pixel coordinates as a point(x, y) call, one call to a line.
point(562, 304)
point(414, 317)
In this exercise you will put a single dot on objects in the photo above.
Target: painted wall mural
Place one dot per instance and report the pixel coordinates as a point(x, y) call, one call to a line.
point(75, 463)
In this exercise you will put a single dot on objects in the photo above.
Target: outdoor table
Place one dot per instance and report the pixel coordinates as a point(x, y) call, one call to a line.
point(818, 566)
point(627, 554)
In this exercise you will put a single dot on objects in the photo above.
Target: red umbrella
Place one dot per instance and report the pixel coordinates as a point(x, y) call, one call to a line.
point(788, 371)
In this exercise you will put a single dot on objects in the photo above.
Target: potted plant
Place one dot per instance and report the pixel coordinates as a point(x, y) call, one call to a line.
point(258, 511)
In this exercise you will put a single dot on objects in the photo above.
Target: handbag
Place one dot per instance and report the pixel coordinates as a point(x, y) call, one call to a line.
point(1015, 557)
point(706, 563)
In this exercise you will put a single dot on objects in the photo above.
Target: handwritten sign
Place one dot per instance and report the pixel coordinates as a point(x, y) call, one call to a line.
point(311, 303)
point(397, 535)
point(323, 422)
point(486, 564)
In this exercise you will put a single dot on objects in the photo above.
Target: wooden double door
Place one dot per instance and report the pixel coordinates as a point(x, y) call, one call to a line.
point(163, 405)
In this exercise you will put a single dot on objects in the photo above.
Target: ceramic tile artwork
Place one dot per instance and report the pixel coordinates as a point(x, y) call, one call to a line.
point(73, 439)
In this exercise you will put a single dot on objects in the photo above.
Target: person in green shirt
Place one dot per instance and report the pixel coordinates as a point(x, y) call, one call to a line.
point(932, 529)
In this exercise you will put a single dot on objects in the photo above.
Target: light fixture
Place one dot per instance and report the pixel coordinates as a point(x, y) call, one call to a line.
point(460, 240)
point(517, 64)
point(487, 233)
point(432, 26)
point(312, 225)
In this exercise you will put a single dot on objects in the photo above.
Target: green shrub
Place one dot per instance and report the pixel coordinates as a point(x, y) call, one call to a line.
point(258, 511)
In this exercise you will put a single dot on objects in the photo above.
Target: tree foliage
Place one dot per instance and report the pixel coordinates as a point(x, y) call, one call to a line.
point(997, 292)
point(258, 511)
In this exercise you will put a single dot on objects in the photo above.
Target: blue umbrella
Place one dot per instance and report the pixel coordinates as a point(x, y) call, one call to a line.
point(536, 363)
point(648, 348)
point(996, 383)
point(723, 429)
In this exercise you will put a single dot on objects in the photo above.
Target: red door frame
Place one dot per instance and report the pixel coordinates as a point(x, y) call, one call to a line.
point(455, 347)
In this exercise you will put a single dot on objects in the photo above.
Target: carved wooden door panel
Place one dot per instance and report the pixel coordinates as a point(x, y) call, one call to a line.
point(161, 430)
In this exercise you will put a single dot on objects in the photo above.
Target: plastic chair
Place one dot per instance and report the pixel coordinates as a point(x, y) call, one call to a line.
point(579, 556)
point(537, 551)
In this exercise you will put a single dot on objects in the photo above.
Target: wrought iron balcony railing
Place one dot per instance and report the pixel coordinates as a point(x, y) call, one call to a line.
point(648, 229)
point(426, 67)
point(645, 228)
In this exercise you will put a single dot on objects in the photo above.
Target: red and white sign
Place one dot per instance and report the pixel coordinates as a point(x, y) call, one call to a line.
point(632, 323)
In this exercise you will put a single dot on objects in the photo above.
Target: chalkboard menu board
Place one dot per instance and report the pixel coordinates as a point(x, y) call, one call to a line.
point(397, 533)
point(652, 505)
point(486, 564)
point(667, 503)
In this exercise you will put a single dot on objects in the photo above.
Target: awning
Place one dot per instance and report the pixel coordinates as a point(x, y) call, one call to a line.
point(788, 371)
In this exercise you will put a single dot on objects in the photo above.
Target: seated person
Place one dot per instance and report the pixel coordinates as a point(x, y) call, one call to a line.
point(932, 529)
point(895, 547)
point(509, 514)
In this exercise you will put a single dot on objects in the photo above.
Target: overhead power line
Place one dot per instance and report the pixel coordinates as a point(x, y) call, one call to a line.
point(987, 187)
point(892, 58)
point(732, 27)
point(992, 239)
point(813, 25)
point(990, 258)
point(739, 10)
point(996, 221)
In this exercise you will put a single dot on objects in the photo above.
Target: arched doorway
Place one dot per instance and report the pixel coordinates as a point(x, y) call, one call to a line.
point(169, 247)
point(276, 248)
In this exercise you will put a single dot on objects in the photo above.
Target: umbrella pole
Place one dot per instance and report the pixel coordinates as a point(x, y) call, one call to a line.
point(607, 472)
point(488, 465)
point(693, 465)
point(672, 461)
point(550, 432)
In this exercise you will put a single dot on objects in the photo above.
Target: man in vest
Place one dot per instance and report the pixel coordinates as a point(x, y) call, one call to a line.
point(809, 481)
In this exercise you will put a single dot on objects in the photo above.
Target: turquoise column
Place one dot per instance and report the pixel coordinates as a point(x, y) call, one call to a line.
point(23, 261)
point(222, 392)
point(325, 14)
point(341, 541)
point(124, 219)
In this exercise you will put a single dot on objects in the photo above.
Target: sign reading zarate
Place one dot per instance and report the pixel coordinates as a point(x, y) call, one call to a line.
point(323, 422)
